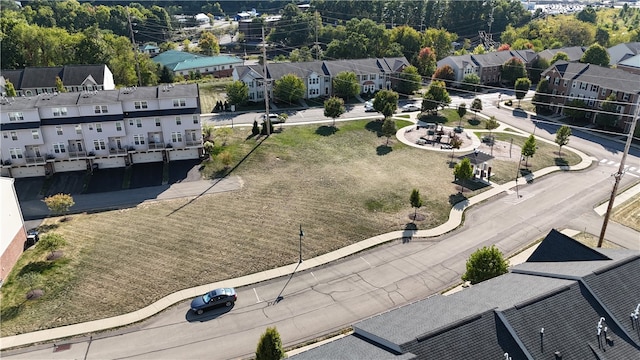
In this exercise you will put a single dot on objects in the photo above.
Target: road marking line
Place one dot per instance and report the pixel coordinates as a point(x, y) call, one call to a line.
point(311, 272)
point(603, 161)
point(365, 261)
point(632, 169)
point(259, 301)
point(611, 162)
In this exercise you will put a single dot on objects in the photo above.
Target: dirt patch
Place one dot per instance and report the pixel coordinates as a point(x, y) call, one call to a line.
point(55, 255)
point(35, 294)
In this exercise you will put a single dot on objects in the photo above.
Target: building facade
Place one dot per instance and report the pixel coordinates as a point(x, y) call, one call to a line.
point(372, 74)
point(61, 132)
point(593, 84)
point(184, 63)
point(13, 235)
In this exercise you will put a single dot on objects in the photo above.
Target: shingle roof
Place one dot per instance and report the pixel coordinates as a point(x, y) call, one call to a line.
point(15, 76)
point(574, 53)
point(477, 158)
point(569, 318)
point(614, 79)
point(180, 60)
point(620, 52)
point(557, 247)
point(39, 77)
point(74, 75)
point(45, 77)
point(357, 347)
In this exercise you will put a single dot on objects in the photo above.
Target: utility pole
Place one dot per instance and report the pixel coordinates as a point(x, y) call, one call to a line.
point(135, 48)
point(267, 121)
point(316, 44)
point(618, 175)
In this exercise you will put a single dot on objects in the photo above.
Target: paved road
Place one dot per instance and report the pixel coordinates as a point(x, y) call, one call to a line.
point(336, 295)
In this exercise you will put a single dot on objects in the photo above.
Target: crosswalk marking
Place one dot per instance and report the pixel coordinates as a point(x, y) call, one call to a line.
point(627, 168)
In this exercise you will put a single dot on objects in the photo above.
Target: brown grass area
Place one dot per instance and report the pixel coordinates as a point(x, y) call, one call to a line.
point(339, 187)
point(592, 241)
point(628, 213)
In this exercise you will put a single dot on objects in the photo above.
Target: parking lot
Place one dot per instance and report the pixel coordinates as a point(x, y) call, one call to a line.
point(105, 180)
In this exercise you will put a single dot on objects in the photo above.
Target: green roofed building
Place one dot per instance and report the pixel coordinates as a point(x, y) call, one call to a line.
point(181, 63)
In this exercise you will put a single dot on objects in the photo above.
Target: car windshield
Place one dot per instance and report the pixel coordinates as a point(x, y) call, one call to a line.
point(206, 297)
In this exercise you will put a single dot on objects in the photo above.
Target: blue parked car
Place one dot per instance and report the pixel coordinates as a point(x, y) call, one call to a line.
point(217, 297)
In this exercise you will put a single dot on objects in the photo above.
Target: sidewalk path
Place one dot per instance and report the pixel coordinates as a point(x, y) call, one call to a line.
point(198, 188)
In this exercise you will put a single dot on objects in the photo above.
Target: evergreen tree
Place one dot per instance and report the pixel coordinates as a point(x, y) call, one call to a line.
point(270, 346)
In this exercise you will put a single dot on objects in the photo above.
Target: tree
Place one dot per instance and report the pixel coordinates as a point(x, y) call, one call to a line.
point(388, 128)
point(484, 264)
point(208, 43)
point(409, 80)
point(11, 90)
point(166, 75)
point(289, 88)
point(386, 102)
point(539, 65)
point(445, 73)
point(237, 93)
point(596, 54)
point(529, 149)
point(462, 111)
point(334, 108)
point(209, 148)
point(608, 117)
point(463, 171)
point(346, 85)
point(513, 69)
point(562, 137)
point(60, 86)
point(426, 62)
point(470, 82)
point(51, 242)
point(521, 87)
point(59, 204)
point(30, 280)
point(455, 143)
point(409, 40)
point(436, 96)
point(602, 37)
point(576, 109)
point(416, 202)
point(440, 40)
point(541, 98)
point(588, 14)
point(476, 106)
point(491, 125)
point(560, 55)
point(270, 346)
point(503, 47)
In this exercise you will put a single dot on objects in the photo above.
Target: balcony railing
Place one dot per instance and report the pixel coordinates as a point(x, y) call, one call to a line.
point(77, 154)
point(34, 159)
point(117, 151)
point(193, 142)
point(156, 145)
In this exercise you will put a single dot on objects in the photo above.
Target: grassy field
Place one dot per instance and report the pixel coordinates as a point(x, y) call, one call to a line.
point(343, 186)
point(628, 213)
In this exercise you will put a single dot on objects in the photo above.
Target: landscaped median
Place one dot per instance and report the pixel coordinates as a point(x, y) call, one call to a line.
point(343, 185)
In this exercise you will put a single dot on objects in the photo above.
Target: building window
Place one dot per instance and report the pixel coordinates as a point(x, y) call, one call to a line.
point(625, 97)
point(99, 127)
point(178, 120)
point(118, 126)
point(99, 145)
point(556, 81)
point(179, 102)
point(176, 137)
point(59, 130)
point(16, 153)
point(573, 84)
point(60, 111)
point(101, 109)
point(195, 119)
point(603, 91)
point(140, 105)
point(565, 83)
point(157, 121)
point(58, 148)
point(594, 87)
point(78, 128)
point(138, 123)
point(16, 116)
point(138, 139)
point(14, 135)
point(35, 134)
point(5, 135)
point(583, 86)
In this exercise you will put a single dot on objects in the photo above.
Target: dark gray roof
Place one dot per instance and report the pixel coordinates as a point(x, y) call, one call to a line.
point(139, 93)
point(171, 92)
point(356, 349)
point(621, 52)
point(45, 77)
point(19, 103)
point(619, 290)
point(302, 70)
point(570, 320)
point(57, 99)
point(614, 79)
point(557, 247)
point(40, 77)
point(15, 76)
point(574, 53)
point(75, 75)
point(477, 158)
point(497, 58)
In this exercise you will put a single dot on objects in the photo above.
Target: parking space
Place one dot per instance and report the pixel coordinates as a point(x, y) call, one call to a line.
point(104, 180)
point(69, 182)
point(145, 175)
point(29, 188)
point(184, 170)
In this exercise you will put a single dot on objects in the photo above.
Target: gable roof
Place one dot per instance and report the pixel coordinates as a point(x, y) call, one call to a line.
point(45, 77)
point(615, 79)
point(623, 51)
point(180, 60)
point(574, 53)
point(558, 247)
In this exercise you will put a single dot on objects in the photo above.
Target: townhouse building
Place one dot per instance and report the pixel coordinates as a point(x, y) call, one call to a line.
point(372, 74)
point(593, 84)
point(184, 63)
point(32, 81)
point(60, 132)
point(487, 66)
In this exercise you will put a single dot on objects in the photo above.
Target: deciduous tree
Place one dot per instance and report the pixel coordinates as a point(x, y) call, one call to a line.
point(289, 88)
point(596, 54)
point(209, 44)
point(237, 93)
point(51, 242)
point(462, 111)
point(436, 96)
point(562, 137)
point(484, 264)
point(445, 73)
point(608, 117)
point(388, 128)
point(386, 102)
point(513, 69)
point(409, 81)
point(345, 85)
point(476, 105)
point(470, 82)
point(541, 98)
point(334, 108)
point(529, 149)
point(416, 202)
point(560, 55)
point(59, 204)
point(576, 109)
point(463, 171)
point(426, 62)
point(521, 87)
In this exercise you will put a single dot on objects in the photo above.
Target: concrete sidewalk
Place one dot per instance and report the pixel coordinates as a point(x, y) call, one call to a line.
point(199, 188)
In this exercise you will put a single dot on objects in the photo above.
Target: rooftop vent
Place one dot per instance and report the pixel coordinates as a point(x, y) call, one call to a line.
point(558, 355)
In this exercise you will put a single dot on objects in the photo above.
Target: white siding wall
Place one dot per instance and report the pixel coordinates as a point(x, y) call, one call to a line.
point(73, 165)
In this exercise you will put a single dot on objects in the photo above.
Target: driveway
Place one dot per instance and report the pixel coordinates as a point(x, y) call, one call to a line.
point(146, 175)
point(184, 170)
point(71, 182)
point(104, 180)
point(29, 188)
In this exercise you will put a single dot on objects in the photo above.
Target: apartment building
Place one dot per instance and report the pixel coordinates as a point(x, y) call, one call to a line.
point(372, 74)
point(593, 84)
point(32, 81)
point(60, 132)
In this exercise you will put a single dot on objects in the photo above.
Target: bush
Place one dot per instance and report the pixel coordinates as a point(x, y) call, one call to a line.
point(255, 130)
point(508, 102)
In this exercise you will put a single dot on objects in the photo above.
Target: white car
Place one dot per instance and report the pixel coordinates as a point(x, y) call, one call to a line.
point(368, 106)
point(410, 107)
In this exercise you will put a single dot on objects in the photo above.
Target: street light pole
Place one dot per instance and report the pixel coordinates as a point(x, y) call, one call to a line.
point(518, 174)
point(301, 236)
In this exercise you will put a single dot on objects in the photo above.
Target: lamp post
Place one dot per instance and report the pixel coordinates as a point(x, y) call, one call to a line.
point(301, 236)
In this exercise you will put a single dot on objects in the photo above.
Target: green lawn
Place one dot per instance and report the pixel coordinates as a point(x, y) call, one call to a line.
point(342, 185)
